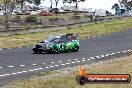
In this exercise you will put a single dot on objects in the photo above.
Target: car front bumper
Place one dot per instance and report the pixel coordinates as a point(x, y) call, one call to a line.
point(41, 49)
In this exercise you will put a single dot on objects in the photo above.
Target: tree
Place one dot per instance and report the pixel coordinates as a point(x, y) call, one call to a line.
point(129, 5)
point(74, 1)
point(9, 6)
point(56, 3)
point(116, 7)
point(37, 2)
point(51, 1)
point(123, 3)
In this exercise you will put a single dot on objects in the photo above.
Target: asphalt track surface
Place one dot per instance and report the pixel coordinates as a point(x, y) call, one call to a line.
point(20, 62)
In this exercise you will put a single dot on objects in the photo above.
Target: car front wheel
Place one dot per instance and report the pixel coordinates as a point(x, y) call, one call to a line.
point(75, 48)
point(55, 51)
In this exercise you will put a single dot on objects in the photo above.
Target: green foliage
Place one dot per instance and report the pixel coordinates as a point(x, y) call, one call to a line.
point(37, 2)
point(127, 4)
point(31, 19)
point(115, 6)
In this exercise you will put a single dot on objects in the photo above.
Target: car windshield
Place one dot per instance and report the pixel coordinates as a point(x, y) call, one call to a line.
point(52, 39)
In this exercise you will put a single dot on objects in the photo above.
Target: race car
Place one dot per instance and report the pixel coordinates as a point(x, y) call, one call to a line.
point(57, 44)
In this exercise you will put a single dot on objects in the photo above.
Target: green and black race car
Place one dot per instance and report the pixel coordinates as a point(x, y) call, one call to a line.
point(57, 44)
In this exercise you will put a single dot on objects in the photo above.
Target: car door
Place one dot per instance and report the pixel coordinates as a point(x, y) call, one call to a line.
point(69, 42)
point(62, 44)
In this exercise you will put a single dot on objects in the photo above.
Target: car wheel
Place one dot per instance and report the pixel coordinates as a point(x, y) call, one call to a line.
point(75, 48)
point(35, 51)
point(40, 51)
point(56, 51)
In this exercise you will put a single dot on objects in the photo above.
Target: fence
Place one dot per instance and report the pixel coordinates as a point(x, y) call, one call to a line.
point(44, 26)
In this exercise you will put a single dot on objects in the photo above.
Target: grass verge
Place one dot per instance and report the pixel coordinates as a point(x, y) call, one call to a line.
point(63, 80)
point(83, 31)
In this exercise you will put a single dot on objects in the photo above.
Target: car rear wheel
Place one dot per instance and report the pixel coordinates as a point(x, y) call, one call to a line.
point(75, 48)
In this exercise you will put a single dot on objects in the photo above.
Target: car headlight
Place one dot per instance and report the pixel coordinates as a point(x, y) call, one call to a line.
point(48, 46)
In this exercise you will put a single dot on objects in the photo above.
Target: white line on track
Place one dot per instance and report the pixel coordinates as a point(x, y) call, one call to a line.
point(51, 66)
point(130, 50)
point(13, 73)
point(73, 62)
point(77, 61)
point(40, 68)
point(22, 65)
point(2, 75)
point(118, 52)
point(110, 54)
point(56, 65)
point(7, 74)
point(1, 49)
point(107, 55)
point(35, 69)
point(83, 58)
point(30, 70)
point(10, 66)
point(46, 67)
point(97, 57)
point(19, 72)
point(88, 59)
point(124, 51)
point(67, 63)
point(113, 53)
point(52, 62)
point(24, 71)
point(102, 55)
point(92, 58)
point(43, 63)
point(34, 64)
point(69, 60)
point(63, 64)
point(1, 67)
point(60, 61)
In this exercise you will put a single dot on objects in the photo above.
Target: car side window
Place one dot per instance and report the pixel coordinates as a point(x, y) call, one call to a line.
point(70, 38)
point(63, 39)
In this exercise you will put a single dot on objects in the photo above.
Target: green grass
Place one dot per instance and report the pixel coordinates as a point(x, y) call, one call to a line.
point(83, 31)
point(1, 1)
point(115, 66)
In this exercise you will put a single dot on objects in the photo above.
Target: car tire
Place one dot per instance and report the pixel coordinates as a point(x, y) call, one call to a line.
point(35, 51)
point(55, 51)
point(40, 51)
point(75, 48)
